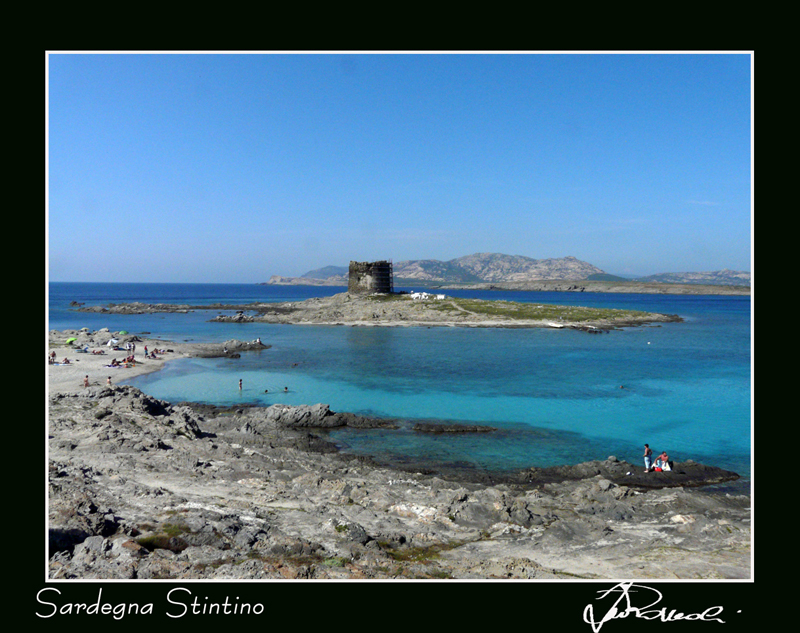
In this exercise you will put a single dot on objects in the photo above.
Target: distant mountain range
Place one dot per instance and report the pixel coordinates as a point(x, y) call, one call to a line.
point(494, 267)
point(500, 268)
point(717, 278)
point(327, 272)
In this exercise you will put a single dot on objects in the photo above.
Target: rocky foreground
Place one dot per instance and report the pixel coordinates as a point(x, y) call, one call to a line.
point(144, 489)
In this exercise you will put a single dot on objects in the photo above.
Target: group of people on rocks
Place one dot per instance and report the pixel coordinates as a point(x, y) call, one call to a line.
point(661, 463)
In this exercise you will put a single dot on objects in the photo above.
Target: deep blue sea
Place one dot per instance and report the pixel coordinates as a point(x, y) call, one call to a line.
point(555, 395)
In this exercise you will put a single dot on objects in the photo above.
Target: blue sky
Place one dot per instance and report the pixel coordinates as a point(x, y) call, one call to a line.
point(235, 167)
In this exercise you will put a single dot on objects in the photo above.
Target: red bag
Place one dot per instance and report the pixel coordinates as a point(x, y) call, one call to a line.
point(658, 468)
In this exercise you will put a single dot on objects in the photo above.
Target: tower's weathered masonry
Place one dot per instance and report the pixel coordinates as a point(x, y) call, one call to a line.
point(371, 277)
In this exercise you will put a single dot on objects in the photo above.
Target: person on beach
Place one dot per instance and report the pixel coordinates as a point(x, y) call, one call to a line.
point(108, 381)
point(648, 458)
point(86, 381)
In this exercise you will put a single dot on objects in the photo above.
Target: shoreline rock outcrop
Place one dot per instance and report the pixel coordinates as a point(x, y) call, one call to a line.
point(403, 309)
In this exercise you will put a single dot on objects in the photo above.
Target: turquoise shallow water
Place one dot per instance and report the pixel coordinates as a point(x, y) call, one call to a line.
point(554, 395)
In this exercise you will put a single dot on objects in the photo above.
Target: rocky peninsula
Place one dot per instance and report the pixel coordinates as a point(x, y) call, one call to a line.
point(618, 287)
point(140, 488)
point(410, 309)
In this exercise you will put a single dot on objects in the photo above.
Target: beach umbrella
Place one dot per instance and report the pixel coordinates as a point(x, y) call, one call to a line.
point(123, 332)
point(69, 340)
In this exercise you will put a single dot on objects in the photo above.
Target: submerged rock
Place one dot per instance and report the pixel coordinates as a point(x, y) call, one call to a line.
point(423, 427)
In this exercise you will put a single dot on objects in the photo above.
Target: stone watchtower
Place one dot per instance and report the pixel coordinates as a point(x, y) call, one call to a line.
point(371, 277)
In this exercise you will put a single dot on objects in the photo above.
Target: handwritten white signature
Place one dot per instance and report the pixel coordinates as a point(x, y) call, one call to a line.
point(623, 607)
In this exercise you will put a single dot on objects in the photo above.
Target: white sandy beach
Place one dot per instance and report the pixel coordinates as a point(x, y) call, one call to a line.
point(69, 378)
point(95, 362)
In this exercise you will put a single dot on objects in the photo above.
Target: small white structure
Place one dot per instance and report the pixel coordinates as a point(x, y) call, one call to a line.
point(424, 296)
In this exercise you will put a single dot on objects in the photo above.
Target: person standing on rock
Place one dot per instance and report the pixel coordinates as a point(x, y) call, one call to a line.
point(240, 384)
point(648, 458)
